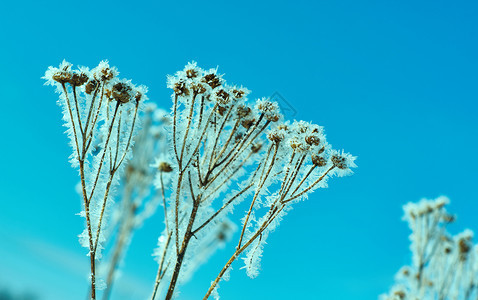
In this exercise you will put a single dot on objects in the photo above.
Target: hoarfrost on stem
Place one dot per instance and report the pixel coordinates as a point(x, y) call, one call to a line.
point(223, 151)
point(101, 115)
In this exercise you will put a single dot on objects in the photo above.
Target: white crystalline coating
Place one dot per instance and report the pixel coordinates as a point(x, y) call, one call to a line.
point(100, 112)
point(443, 266)
point(224, 151)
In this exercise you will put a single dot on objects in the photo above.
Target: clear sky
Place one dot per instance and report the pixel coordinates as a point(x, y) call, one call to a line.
point(393, 82)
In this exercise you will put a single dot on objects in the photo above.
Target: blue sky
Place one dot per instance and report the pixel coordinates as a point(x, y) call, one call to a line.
point(393, 82)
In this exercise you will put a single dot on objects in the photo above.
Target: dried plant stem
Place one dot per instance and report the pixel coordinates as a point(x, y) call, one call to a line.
point(161, 272)
point(238, 252)
point(187, 237)
point(125, 231)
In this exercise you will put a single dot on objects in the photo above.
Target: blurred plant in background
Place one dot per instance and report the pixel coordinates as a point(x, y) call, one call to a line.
point(220, 151)
point(443, 266)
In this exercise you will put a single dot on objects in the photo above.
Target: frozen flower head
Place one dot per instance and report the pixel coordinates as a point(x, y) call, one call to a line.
point(343, 162)
point(269, 109)
point(443, 266)
point(212, 79)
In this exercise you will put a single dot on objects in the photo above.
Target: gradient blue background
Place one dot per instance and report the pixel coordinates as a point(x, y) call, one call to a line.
point(393, 82)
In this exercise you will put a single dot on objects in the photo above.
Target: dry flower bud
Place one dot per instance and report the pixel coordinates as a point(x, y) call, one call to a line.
point(222, 97)
point(256, 147)
point(191, 73)
point(312, 140)
point(243, 111)
point(120, 92)
point(221, 110)
point(138, 96)
point(247, 123)
point(78, 79)
point(238, 94)
point(91, 86)
point(212, 80)
point(180, 89)
point(198, 88)
point(62, 76)
point(318, 160)
point(275, 136)
point(165, 167)
point(269, 109)
point(106, 74)
point(339, 162)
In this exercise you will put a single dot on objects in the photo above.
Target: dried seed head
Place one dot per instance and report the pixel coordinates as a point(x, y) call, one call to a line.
point(238, 137)
point(318, 160)
point(221, 110)
point(243, 111)
point(256, 147)
point(269, 109)
point(449, 218)
point(165, 167)
point(106, 74)
point(283, 127)
point(275, 136)
point(121, 92)
point(78, 79)
point(198, 88)
point(247, 123)
point(339, 162)
point(312, 140)
point(138, 96)
point(463, 247)
point(91, 86)
point(212, 80)
point(238, 93)
point(62, 76)
point(400, 294)
point(297, 146)
point(180, 89)
point(191, 73)
point(222, 97)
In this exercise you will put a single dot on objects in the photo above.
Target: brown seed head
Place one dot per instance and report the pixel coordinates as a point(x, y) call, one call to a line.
point(78, 79)
point(339, 162)
point(312, 140)
point(191, 73)
point(198, 88)
point(138, 96)
point(106, 74)
point(256, 147)
point(238, 94)
point(275, 137)
point(212, 80)
point(165, 167)
point(180, 89)
point(243, 111)
point(62, 76)
point(464, 248)
point(247, 123)
point(222, 96)
point(91, 86)
point(318, 160)
point(121, 92)
point(400, 294)
point(221, 110)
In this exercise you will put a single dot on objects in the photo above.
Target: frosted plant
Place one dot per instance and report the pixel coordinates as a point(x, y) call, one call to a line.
point(443, 266)
point(100, 112)
point(225, 150)
point(137, 203)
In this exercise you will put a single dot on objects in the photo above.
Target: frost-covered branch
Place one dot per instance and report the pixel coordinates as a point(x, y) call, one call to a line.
point(443, 266)
point(104, 113)
point(225, 151)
